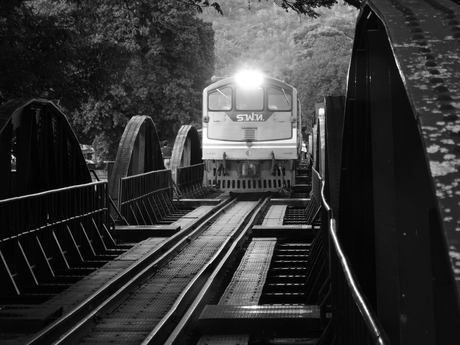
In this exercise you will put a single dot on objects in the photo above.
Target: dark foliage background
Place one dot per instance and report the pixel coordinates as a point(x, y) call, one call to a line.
point(310, 53)
point(104, 61)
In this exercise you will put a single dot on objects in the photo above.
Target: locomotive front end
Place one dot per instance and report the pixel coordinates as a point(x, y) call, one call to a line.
point(250, 137)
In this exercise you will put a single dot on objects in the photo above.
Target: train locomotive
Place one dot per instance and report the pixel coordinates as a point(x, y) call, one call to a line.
point(251, 135)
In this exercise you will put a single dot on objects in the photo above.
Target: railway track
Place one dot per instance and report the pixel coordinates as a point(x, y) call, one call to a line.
point(143, 302)
point(188, 288)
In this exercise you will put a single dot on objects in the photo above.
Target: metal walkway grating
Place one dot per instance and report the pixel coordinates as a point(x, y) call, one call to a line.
point(275, 215)
point(248, 280)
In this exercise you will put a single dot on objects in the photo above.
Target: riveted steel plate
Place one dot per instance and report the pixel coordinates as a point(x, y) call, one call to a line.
point(114, 265)
point(259, 320)
point(275, 215)
point(284, 231)
point(119, 338)
point(137, 233)
point(29, 318)
point(237, 339)
point(283, 227)
point(219, 230)
point(126, 325)
point(197, 212)
point(141, 249)
point(249, 278)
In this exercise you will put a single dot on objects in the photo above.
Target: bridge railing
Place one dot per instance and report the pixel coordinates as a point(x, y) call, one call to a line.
point(147, 199)
point(189, 180)
point(353, 319)
point(45, 234)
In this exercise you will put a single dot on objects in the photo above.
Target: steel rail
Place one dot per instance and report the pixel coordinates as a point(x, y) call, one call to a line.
point(368, 314)
point(204, 279)
point(210, 285)
point(83, 315)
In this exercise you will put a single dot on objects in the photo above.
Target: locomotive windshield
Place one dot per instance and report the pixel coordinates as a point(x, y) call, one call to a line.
point(220, 99)
point(279, 99)
point(249, 98)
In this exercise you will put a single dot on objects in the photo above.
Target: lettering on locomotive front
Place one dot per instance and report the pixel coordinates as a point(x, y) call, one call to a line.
point(254, 117)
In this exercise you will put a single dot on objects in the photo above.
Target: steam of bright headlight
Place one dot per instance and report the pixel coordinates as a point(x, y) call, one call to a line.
point(249, 79)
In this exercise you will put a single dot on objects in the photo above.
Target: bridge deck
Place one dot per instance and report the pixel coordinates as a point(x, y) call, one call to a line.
point(145, 308)
point(238, 311)
point(34, 317)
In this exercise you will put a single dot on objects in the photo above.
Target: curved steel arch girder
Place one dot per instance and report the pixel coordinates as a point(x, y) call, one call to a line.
point(38, 149)
point(186, 150)
point(138, 152)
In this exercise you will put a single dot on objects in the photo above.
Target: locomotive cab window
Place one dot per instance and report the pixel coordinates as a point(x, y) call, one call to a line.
point(220, 99)
point(249, 98)
point(279, 99)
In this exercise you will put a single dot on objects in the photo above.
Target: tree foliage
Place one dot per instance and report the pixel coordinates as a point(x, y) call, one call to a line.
point(104, 61)
point(312, 54)
point(46, 54)
point(172, 55)
point(306, 7)
point(323, 52)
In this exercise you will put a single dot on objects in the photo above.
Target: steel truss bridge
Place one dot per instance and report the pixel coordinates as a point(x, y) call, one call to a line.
point(365, 250)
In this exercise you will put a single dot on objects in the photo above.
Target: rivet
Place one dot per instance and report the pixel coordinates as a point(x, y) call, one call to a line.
point(448, 107)
point(436, 81)
point(418, 37)
point(450, 117)
point(444, 98)
point(441, 88)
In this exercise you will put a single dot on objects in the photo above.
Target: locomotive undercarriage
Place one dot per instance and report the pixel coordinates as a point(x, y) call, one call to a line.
point(247, 176)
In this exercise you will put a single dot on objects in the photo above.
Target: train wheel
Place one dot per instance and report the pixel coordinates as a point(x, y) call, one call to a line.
point(138, 152)
point(186, 150)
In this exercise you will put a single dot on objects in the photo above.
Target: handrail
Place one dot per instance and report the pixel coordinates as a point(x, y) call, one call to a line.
point(368, 314)
point(51, 191)
point(146, 198)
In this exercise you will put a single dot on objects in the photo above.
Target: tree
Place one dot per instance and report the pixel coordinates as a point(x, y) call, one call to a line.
point(259, 38)
point(323, 52)
point(104, 61)
point(312, 54)
point(306, 7)
point(45, 54)
point(172, 56)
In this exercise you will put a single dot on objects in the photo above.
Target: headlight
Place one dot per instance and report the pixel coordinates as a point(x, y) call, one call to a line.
point(249, 79)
